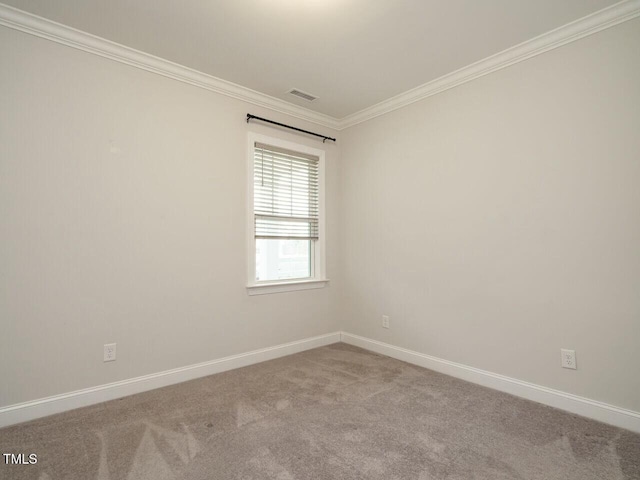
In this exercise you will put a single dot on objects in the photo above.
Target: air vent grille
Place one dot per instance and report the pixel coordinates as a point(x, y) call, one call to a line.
point(299, 93)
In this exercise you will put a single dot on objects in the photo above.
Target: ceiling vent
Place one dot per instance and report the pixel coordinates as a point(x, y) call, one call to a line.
point(298, 93)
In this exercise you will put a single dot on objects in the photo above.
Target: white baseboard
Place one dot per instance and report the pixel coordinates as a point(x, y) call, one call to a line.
point(600, 411)
point(585, 407)
point(31, 410)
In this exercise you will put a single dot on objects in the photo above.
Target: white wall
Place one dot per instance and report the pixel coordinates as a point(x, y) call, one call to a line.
point(500, 221)
point(122, 219)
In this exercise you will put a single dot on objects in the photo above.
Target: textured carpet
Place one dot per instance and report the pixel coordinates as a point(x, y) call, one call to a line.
point(336, 412)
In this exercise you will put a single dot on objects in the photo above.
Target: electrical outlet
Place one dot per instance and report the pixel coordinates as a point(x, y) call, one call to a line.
point(385, 321)
point(568, 358)
point(109, 352)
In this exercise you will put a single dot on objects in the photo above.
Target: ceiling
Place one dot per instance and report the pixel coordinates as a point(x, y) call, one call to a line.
point(351, 54)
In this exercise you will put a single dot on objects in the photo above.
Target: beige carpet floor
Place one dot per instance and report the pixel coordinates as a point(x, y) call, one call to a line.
point(336, 412)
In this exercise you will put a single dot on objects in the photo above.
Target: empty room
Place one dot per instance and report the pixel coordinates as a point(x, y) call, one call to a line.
point(320, 239)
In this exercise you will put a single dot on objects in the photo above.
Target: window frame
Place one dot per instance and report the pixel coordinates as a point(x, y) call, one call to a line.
point(318, 278)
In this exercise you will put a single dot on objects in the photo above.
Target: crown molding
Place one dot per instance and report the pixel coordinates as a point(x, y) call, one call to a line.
point(56, 32)
point(71, 37)
point(596, 22)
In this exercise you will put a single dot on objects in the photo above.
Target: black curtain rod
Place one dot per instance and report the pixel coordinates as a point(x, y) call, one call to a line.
point(323, 137)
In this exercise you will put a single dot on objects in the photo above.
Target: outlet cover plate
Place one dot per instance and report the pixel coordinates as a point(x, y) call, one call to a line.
point(109, 352)
point(385, 321)
point(568, 358)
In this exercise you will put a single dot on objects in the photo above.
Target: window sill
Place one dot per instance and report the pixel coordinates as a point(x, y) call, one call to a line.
point(280, 287)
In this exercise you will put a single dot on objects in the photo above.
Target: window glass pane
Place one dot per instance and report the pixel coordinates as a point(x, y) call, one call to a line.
point(280, 259)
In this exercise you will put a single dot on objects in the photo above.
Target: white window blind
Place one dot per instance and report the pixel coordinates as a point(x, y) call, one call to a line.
point(285, 193)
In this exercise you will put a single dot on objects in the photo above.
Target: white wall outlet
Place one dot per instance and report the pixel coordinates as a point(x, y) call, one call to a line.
point(568, 358)
point(109, 352)
point(385, 321)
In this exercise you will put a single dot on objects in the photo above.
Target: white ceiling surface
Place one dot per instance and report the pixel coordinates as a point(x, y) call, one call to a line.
point(352, 54)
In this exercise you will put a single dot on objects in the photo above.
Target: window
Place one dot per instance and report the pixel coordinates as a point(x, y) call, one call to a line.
point(286, 202)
